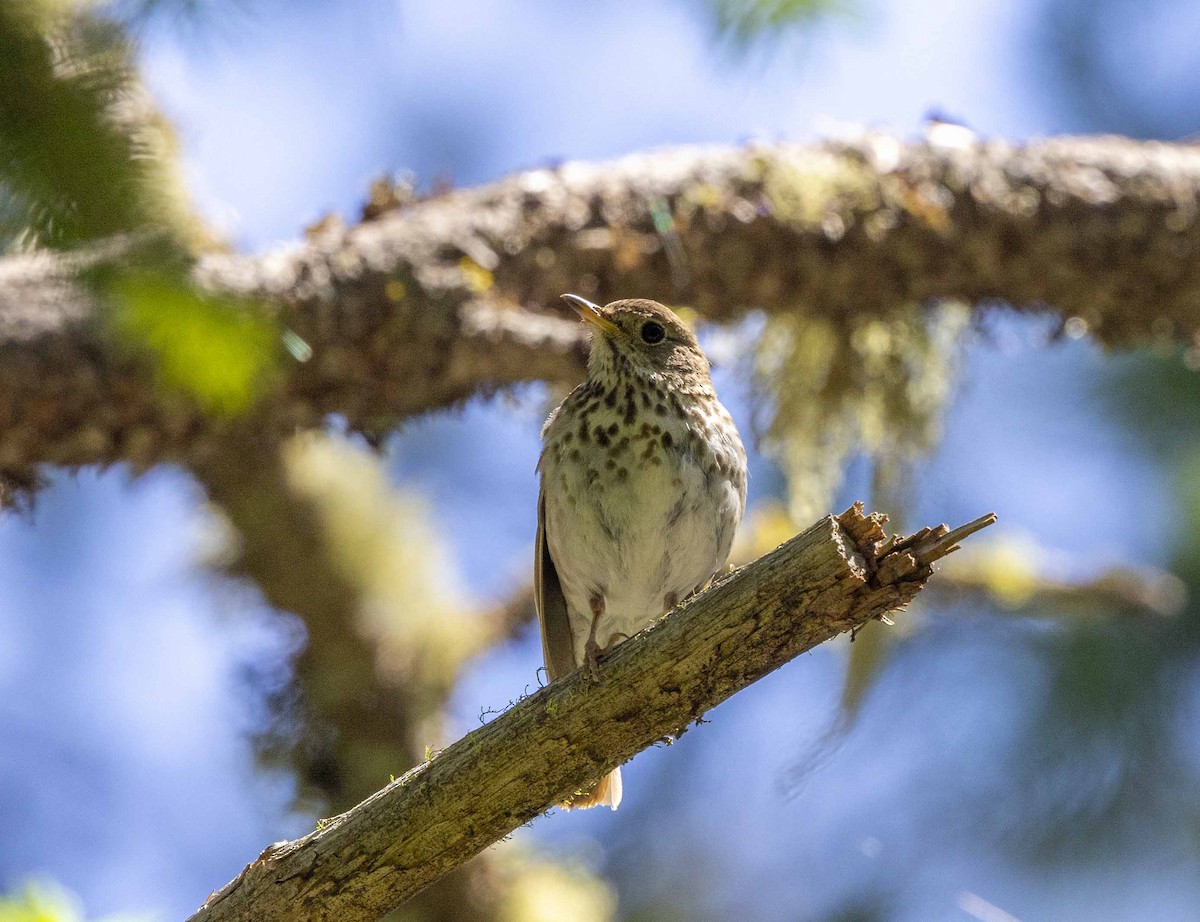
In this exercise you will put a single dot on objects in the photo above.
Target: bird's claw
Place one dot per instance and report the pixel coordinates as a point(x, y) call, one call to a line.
point(591, 659)
point(592, 652)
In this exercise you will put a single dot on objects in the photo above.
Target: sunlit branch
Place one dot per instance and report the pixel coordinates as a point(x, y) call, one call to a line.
point(834, 577)
point(440, 299)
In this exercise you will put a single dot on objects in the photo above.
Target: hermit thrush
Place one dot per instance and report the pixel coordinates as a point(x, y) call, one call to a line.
point(643, 483)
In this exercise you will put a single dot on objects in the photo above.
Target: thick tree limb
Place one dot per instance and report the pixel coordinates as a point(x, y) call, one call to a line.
point(835, 577)
point(444, 298)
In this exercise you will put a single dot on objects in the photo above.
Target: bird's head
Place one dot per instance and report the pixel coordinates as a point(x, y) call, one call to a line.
point(640, 337)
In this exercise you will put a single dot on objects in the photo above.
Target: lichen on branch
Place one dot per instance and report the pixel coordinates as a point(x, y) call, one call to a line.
point(436, 300)
point(836, 576)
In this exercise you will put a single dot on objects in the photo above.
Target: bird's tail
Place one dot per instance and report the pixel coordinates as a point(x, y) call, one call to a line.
point(605, 793)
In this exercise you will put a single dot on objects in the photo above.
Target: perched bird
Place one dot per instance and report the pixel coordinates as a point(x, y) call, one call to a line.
point(643, 483)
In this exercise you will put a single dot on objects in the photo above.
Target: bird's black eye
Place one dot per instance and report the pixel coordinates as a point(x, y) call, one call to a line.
point(652, 332)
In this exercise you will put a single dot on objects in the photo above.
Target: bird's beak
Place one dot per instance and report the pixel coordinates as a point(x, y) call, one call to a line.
point(591, 313)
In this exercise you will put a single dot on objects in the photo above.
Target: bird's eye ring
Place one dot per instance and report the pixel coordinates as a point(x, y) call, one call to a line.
point(653, 332)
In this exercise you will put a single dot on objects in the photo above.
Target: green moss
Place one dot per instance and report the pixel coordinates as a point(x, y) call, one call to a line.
point(216, 350)
point(809, 193)
point(833, 387)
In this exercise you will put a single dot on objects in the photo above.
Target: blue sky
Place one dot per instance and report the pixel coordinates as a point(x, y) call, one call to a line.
point(287, 116)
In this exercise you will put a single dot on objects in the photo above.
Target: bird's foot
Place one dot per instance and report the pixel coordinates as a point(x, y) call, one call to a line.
point(591, 659)
point(592, 652)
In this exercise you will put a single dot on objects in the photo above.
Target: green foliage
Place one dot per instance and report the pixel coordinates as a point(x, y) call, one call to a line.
point(1154, 395)
point(39, 902)
point(872, 384)
point(67, 171)
point(219, 351)
point(45, 901)
point(543, 890)
point(388, 546)
point(84, 156)
point(746, 21)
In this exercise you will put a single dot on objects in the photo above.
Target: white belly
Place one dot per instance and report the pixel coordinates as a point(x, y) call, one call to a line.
point(635, 534)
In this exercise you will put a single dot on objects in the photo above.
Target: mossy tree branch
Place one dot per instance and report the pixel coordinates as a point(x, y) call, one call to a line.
point(836, 576)
point(443, 298)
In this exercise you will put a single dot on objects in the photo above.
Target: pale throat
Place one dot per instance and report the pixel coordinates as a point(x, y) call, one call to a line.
point(609, 367)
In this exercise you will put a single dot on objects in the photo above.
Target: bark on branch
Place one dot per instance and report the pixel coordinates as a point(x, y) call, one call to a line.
point(834, 577)
point(446, 297)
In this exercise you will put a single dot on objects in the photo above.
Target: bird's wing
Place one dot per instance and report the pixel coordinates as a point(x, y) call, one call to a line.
point(558, 648)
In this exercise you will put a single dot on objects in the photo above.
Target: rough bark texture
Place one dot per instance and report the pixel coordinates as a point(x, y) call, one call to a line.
point(835, 577)
point(442, 298)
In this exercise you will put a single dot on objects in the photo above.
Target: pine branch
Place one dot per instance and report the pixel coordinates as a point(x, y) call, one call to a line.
point(836, 576)
point(440, 299)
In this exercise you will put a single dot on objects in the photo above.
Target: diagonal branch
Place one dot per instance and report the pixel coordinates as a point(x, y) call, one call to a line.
point(444, 298)
point(836, 576)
